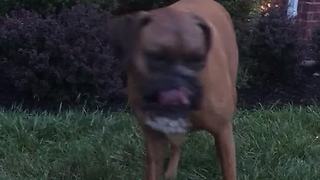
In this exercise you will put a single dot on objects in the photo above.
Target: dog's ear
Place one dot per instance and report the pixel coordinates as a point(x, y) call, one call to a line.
point(125, 30)
point(204, 26)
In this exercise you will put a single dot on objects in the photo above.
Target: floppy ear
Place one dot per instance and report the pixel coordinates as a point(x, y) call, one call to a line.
point(206, 31)
point(125, 30)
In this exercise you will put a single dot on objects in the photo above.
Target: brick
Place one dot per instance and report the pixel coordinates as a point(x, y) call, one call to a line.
point(309, 16)
point(300, 9)
point(316, 16)
point(305, 7)
point(306, 34)
point(312, 22)
point(300, 4)
point(309, 33)
point(309, 1)
point(302, 16)
point(314, 8)
point(302, 23)
point(309, 6)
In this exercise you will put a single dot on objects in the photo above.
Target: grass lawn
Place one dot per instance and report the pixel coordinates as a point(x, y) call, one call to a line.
point(272, 144)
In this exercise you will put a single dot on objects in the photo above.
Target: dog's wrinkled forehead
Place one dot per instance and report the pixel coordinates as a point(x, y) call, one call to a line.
point(173, 32)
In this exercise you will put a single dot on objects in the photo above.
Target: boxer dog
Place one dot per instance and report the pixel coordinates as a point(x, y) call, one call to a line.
point(182, 65)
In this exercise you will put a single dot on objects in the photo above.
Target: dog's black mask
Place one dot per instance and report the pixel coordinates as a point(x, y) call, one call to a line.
point(171, 94)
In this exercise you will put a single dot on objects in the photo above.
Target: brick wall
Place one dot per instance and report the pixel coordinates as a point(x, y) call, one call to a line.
point(308, 17)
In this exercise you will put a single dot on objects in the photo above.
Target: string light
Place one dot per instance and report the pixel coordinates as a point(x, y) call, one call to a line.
point(267, 5)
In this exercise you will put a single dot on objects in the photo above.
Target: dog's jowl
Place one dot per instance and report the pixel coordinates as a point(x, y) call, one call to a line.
point(182, 65)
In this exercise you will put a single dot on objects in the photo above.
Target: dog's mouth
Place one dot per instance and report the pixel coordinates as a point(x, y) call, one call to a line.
point(175, 97)
point(168, 110)
point(169, 100)
point(168, 104)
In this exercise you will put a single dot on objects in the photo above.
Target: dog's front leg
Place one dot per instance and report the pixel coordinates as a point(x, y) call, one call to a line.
point(226, 150)
point(156, 145)
point(173, 164)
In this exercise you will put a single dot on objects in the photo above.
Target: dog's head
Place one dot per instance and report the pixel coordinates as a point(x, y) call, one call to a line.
point(165, 52)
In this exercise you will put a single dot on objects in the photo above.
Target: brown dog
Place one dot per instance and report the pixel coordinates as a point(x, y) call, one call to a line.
point(182, 69)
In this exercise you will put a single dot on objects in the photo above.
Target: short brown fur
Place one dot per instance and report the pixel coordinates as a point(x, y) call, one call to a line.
point(217, 78)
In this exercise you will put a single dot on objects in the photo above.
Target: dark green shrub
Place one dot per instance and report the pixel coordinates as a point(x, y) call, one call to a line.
point(316, 43)
point(61, 58)
point(44, 6)
point(128, 6)
point(237, 8)
point(273, 50)
point(37, 5)
point(240, 9)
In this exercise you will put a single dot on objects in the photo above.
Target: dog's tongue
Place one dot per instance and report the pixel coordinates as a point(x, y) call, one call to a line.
point(174, 97)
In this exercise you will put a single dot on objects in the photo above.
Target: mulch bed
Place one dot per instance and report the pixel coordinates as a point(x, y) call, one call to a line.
point(305, 92)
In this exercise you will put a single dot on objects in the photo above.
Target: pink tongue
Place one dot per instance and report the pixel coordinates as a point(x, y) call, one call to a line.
point(174, 97)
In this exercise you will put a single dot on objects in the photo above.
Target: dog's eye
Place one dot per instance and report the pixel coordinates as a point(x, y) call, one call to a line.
point(156, 56)
point(157, 60)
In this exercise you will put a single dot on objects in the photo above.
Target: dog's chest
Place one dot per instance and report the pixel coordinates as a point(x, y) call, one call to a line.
point(169, 125)
point(175, 129)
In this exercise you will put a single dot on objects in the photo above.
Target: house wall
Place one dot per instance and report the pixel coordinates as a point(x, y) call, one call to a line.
point(308, 17)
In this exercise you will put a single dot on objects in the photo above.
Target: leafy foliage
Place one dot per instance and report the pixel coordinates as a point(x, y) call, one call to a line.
point(316, 43)
point(272, 54)
point(37, 5)
point(57, 54)
point(61, 58)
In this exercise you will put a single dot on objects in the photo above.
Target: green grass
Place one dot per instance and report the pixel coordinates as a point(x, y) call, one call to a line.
point(272, 144)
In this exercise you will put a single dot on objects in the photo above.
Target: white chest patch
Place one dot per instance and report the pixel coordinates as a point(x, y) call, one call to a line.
point(169, 126)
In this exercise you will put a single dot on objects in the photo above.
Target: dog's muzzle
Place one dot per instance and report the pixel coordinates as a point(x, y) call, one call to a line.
point(168, 101)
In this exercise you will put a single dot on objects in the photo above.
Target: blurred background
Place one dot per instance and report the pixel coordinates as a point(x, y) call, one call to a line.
point(57, 51)
point(63, 107)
